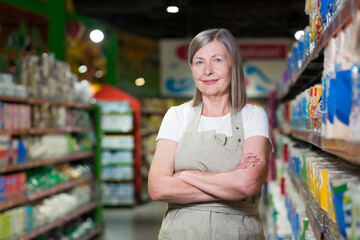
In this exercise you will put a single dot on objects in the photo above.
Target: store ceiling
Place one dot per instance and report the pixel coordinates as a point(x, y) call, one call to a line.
point(148, 18)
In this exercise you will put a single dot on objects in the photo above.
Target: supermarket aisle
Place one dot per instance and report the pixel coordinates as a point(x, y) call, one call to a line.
point(138, 223)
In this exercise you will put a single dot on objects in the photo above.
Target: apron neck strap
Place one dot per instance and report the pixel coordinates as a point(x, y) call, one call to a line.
point(194, 120)
point(236, 121)
point(236, 124)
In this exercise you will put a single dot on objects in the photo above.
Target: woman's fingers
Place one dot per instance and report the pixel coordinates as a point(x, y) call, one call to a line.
point(249, 161)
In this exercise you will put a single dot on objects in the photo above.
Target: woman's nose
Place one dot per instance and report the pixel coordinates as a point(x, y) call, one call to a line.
point(208, 69)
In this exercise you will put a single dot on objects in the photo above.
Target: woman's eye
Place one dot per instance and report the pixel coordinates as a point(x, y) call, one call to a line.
point(217, 60)
point(198, 62)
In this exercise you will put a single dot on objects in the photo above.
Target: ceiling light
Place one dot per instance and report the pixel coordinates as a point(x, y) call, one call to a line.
point(172, 9)
point(139, 82)
point(298, 34)
point(96, 36)
point(82, 69)
point(99, 74)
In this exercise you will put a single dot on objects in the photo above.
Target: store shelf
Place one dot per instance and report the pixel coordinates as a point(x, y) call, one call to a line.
point(313, 138)
point(119, 204)
point(112, 180)
point(120, 164)
point(42, 101)
point(46, 162)
point(347, 150)
point(153, 111)
point(61, 221)
point(117, 148)
point(311, 70)
point(93, 232)
point(24, 199)
point(315, 225)
point(116, 131)
point(60, 188)
point(49, 130)
point(117, 114)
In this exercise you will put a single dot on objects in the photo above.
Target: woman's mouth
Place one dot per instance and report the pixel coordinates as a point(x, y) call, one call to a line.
point(210, 81)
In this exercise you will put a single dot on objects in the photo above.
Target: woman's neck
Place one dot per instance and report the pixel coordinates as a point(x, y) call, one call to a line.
point(215, 107)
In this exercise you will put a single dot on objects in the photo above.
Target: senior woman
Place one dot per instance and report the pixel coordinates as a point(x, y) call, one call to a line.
point(212, 153)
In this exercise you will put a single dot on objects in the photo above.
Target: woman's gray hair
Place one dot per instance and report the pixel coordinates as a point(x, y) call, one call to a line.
point(237, 97)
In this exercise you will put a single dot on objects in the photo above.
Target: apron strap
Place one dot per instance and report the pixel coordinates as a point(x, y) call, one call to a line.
point(194, 120)
point(236, 122)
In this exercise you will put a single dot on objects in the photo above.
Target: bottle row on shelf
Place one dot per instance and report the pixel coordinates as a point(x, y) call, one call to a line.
point(118, 174)
point(30, 149)
point(45, 78)
point(328, 187)
point(19, 187)
point(322, 29)
point(14, 116)
point(331, 108)
point(31, 220)
point(117, 194)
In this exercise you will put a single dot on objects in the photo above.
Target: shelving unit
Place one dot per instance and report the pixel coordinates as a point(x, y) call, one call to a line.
point(42, 194)
point(88, 156)
point(47, 162)
point(120, 152)
point(62, 221)
point(311, 70)
point(308, 75)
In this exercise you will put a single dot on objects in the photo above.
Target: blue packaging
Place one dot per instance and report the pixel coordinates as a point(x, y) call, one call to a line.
point(22, 152)
point(2, 189)
point(343, 99)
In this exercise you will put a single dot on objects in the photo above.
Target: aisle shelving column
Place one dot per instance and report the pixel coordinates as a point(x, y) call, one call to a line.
point(45, 160)
point(317, 142)
point(118, 131)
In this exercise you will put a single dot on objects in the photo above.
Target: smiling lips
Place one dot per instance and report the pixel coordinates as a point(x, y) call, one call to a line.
point(211, 81)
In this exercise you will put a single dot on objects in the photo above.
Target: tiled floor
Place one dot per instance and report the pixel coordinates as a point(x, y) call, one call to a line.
point(138, 223)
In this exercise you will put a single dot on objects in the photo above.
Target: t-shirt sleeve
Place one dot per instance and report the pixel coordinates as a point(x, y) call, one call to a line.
point(257, 124)
point(169, 126)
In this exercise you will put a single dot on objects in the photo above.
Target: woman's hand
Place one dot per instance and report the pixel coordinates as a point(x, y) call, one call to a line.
point(249, 160)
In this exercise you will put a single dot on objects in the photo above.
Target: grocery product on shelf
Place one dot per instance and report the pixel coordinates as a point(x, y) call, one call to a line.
point(25, 220)
point(117, 154)
point(318, 104)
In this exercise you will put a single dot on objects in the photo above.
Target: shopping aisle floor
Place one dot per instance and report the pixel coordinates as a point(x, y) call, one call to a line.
point(138, 223)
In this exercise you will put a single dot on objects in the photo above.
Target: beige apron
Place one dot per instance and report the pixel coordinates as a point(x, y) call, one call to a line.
point(208, 151)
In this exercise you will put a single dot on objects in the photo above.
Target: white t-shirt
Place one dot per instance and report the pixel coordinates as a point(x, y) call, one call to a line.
point(255, 122)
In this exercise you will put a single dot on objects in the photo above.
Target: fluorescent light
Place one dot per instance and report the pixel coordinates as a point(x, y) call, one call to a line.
point(96, 36)
point(298, 34)
point(172, 9)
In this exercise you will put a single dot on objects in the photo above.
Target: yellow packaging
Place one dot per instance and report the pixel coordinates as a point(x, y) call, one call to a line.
point(5, 226)
point(313, 162)
point(323, 175)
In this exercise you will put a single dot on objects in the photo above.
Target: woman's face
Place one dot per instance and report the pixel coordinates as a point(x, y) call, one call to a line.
point(211, 69)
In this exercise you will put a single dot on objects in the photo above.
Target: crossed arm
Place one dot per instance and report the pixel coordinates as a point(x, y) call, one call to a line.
point(195, 186)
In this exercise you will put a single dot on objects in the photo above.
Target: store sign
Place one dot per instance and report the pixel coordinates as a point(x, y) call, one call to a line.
point(264, 63)
point(263, 51)
point(176, 77)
